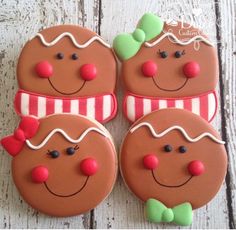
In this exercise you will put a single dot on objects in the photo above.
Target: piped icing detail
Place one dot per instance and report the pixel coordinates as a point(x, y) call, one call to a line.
point(72, 38)
point(67, 137)
point(196, 39)
point(176, 127)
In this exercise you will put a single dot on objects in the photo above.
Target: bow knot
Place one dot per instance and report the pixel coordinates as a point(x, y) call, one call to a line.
point(27, 129)
point(127, 45)
point(157, 212)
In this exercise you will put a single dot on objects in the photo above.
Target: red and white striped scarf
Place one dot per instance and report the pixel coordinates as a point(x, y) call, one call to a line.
point(101, 107)
point(204, 105)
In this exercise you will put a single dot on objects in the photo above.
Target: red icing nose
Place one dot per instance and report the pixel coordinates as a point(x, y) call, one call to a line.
point(150, 161)
point(89, 166)
point(44, 69)
point(88, 72)
point(196, 168)
point(149, 68)
point(39, 174)
point(191, 69)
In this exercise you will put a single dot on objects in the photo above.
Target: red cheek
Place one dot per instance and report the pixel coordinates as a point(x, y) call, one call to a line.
point(191, 69)
point(196, 168)
point(89, 166)
point(150, 161)
point(39, 174)
point(88, 72)
point(149, 69)
point(44, 69)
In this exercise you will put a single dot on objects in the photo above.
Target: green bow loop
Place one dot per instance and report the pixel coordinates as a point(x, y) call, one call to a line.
point(128, 45)
point(157, 212)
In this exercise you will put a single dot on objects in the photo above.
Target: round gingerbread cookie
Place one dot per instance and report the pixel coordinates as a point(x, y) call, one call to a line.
point(173, 157)
point(67, 68)
point(58, 167)
point(167, 65)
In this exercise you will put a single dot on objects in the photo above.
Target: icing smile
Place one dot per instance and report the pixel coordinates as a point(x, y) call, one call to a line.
point(169, 90)
point(69, 195)
point(64, 92)
point(171, 186)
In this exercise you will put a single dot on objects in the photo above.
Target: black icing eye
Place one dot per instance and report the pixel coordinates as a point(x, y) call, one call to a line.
point(60, 56)
point(70, 151)
point(182, 149)
point(163, 54)
point(168, 148)
point(74, 56)
point(54, 153)
point(178, 53)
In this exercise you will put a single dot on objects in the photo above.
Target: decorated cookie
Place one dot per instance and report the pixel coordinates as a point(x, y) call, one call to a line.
point(67, 69)
point(63, 164)
point(174, 161)
point(167, 65)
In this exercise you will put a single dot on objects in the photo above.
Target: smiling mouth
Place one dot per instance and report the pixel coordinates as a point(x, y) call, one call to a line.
point(69, 195)
point(171, 186)
point(66, 93)
point(169, 90)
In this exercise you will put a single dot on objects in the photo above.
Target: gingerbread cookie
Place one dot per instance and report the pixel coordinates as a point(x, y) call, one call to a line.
point(174, 161)
point(67, 69)
point(167, 65)
point(57, 165)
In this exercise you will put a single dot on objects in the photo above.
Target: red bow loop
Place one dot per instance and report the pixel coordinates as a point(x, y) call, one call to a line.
point(27, 129)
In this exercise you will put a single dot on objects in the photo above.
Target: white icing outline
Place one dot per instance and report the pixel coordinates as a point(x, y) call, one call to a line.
point(74, 141)
point(156, 135)
point(196, 39)
point(58, 38)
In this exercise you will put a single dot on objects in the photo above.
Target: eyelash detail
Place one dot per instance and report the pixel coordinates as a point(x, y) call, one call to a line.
point(163, 54)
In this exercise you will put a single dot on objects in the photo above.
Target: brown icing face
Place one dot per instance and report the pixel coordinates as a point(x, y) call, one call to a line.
point(171, 70)
point(59, 68)
point(171, 168)
point(62, 178)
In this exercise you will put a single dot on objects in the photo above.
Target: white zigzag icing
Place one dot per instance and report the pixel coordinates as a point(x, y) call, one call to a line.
point(176, 127)
point(74, 141)
point(76, 44)
point(197, 38)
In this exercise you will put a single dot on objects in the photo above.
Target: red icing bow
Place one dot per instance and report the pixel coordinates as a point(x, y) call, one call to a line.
point(27, 129)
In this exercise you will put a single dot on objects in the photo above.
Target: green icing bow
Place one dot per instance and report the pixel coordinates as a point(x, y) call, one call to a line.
point(157, 212)
point(127, 45)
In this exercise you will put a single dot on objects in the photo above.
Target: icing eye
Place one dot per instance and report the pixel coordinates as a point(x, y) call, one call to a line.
point(54, 153)
point(191, 69)
point(74, 56)
point(89, 166)
point(163, 54)
point(196, 168)
point(150, 161)
point(70, 151)
point(178, 53)
point(182, 149)
point(60, 56)
point(44, 69)
point(167, 148)
point(149, 68)
point(39, 174)
point(88, 72)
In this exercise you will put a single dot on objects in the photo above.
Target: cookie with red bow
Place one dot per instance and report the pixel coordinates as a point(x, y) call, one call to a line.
point(67, 69)
point(57, 166)
point(167, 65)
point(174, 161)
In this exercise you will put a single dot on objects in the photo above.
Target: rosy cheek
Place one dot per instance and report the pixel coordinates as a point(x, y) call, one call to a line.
point(44, 69)
point(149, 69)
point(88, 72)
point(191, 69)
point(150, 161)
point(89, 166)
point(196, 168)
point(39, 174)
